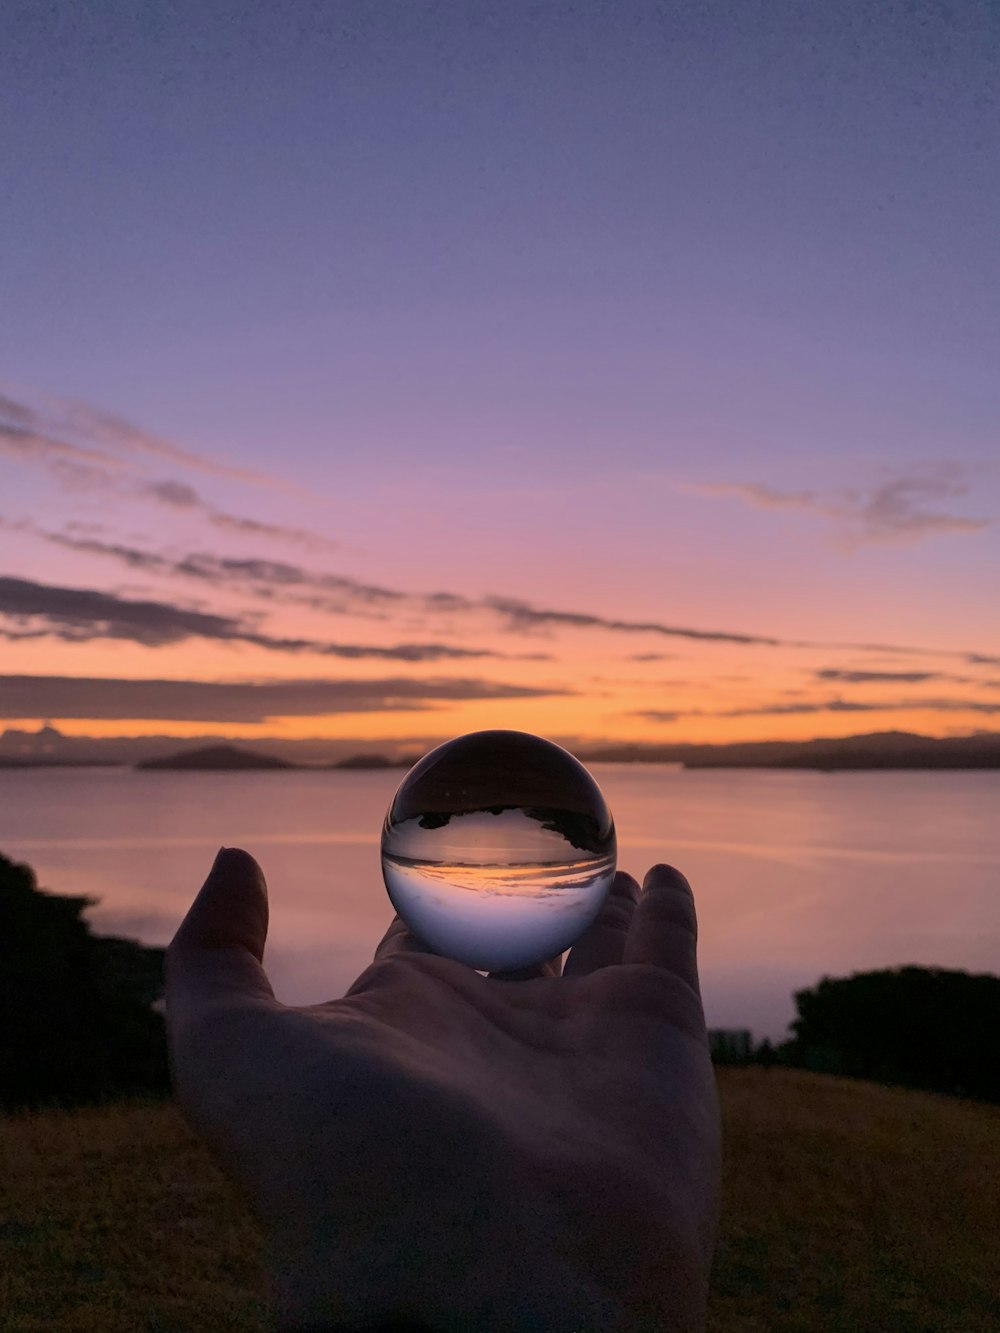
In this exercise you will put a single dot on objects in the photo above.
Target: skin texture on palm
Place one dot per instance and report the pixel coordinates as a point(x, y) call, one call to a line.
point(538, 1152)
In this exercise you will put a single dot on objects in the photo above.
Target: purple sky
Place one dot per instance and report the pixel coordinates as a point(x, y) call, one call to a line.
point(681, 314)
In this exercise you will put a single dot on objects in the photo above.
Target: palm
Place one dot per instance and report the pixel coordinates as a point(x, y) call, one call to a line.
point(477, 1153)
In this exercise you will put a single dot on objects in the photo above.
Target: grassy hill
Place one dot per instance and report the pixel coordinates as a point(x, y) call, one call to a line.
point(849, 1208)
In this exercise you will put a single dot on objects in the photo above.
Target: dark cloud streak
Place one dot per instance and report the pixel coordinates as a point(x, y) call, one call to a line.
point(339, 595)
point(108, 698)
point(900, 509)
point(521, 615)
point(934, 705)
point(178, 495)
point(517, 615)
point(867, 677)
point(24, 442)
point(83, 614)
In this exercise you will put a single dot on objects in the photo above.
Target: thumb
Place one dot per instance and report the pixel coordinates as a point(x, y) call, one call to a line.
point(217, 951)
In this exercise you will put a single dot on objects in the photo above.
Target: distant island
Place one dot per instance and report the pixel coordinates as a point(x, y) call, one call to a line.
point(362, 761)
point(233, 759)
point(887, 750)
point(218, 759)
point(877, 750)
point(880, 750)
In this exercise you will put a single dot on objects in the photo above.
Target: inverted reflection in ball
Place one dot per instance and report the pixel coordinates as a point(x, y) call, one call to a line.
point(498, 849)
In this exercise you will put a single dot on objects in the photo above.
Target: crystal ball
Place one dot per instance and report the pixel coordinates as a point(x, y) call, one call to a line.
point(498, 850)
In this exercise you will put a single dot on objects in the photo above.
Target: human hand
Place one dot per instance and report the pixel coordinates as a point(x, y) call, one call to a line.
point(474, 1154)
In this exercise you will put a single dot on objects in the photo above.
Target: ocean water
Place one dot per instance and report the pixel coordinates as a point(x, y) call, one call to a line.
point(796, 875)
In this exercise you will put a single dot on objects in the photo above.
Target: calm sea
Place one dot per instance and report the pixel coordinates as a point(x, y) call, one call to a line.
point(796, 875)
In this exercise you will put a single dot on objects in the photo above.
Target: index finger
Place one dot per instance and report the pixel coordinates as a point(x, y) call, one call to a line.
point(399, 938)
point(664, 927)
point(603, 943)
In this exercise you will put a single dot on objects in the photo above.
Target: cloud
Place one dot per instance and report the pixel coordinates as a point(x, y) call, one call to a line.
point(262, 575)
point(824, 706)
point(764, 497)
point(91, 614)
point(83, 614)
point(147, 561)
point(108, 698)
point(400, 652)
point(935, 705)
point(904, 677)
point(175, 494)
point(255, 527)
point(338, 594)
point(114, 432)
point(522, 616)
point(93, 465)
point(16, 412)
point(903, 508)
point(253, 574)
point(179, 495)
point(866, 677)
point(898, 509)
point(26, 437)
point(22, 442)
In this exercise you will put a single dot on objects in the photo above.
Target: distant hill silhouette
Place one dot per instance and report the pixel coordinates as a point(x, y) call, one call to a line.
point(897, 750)
point(362, 761)
point(233, 759)
point(76, 1016)
point(49, 745)
point(217, 758)
point(876, 750)
point(886, 749)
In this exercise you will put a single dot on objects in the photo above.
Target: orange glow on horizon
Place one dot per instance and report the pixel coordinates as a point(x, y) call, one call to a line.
point(594, 683)
point(401, 728)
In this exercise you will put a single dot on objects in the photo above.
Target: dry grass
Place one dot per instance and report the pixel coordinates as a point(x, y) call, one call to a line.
point(115, 1221)
point(854, 1208)
point(849, 1208)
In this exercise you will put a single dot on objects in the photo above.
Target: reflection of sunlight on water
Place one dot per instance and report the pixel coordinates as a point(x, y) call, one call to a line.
point(498, 917)
point(532, 879)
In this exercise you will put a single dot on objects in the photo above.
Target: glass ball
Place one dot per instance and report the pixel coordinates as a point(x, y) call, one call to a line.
point(498, 850)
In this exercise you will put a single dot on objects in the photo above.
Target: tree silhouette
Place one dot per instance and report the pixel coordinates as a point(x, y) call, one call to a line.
point(765, 1054)
point(923, 1027)
point(76, 1016)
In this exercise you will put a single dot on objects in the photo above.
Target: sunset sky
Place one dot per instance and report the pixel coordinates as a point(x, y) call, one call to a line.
point(385, 369)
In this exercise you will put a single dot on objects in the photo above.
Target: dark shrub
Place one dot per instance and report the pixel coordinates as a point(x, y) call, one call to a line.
point(76, 1016)
point(920, 1026)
